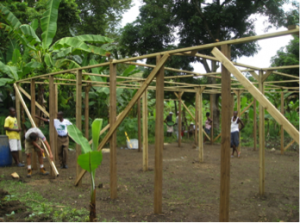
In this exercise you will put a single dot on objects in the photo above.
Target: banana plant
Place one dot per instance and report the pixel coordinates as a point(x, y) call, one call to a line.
point(90, 158)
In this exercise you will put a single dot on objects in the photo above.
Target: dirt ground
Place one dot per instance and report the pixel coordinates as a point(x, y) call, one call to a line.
point(190, 189)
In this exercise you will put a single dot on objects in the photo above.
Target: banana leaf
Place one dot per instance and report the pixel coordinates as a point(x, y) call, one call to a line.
point(9, 17)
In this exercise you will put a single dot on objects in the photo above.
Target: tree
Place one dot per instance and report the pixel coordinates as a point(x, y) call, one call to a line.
point(198, 22)
point(101, 16)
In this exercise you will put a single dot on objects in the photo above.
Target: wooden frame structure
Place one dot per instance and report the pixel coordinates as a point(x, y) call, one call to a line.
point(229, 85)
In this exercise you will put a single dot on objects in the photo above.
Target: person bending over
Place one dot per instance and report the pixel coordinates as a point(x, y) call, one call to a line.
point(33, 141)
point(234, 136)
point(60, 125)
point(12, 131)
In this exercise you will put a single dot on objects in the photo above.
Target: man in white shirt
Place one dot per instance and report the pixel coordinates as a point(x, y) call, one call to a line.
point(60, 124)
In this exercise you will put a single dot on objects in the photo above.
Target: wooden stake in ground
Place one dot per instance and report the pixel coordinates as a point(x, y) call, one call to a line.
point(254, 124)
point(139, 125)
point(281, 127)
point(145, 131)
point(78, 116)
point(32, 106)
point(112, 120)
point(52, 113)
point(225, 140)
point(261, 140)
point(159, 139)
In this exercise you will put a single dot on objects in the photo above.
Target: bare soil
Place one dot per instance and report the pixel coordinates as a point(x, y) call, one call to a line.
point(190, 189)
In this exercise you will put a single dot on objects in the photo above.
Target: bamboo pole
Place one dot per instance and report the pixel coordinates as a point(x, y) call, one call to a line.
point(281, 127)
point(254, 124)
point(159, 140)
point(32, 102)
point(33, 124)
point(113, 139)
point(145, 131)
point(78, 117)
point(139, 125)
point(225, 144)
point(51, 120)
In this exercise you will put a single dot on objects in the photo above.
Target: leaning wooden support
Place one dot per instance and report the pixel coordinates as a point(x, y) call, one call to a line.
point(129, 106)
point(288, 145)
point(33, 125)
point(288, 127)
point(52, 131)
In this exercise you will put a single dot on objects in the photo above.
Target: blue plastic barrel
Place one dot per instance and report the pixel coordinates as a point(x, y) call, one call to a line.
point(5, 155)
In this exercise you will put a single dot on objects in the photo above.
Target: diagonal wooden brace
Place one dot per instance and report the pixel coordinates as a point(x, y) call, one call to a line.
point(127, 109)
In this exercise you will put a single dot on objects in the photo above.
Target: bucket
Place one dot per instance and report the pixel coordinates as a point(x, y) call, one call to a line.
point(134, 143)
point(5, 155)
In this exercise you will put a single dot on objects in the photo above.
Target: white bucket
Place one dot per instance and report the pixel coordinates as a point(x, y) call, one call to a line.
point(132, 144)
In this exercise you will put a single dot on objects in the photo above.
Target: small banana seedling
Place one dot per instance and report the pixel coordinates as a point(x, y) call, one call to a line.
point(90, 158)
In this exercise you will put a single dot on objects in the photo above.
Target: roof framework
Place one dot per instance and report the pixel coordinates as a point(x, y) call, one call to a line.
point(232, 81)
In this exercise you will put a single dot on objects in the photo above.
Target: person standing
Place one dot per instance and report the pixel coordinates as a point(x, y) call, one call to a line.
point(208, 124)
point(170, 124)
point(12, 131)
point(234, 136)
point(60, 124)
point(33, 140)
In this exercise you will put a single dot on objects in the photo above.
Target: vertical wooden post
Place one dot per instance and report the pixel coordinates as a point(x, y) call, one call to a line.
point(51, 118)
point(159, 139)
point(112, 120)
point(212, 117)
point(179, 124)
point(18, 114)
point(232, 104)
point(281, 127)
point(139, 125)
point(86, 112)
point(145, 131)
point(199, 123)
point(78, 116)
point(239, 115)
point(225, 140)
point(254, 124)
point(56, 111)
point(196, 121)
point(261, 140)
point(32, 92)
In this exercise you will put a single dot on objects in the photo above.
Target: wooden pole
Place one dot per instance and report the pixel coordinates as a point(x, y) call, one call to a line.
point(159, 139)
point(239, 114)
point(225, 142)
point(78, 117)
point(139, 125)
point(212, 117)
point(179, 119)
point(261, 140)
point(112, 120)
point(200, 118)
point(18, 111)
point(254, 125)
point(32, 103)
point(86, 112)
point(145, 131)
point(281, 127)
point(52, 117)
point(56, 111)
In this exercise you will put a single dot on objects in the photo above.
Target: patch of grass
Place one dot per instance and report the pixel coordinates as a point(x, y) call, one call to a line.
point(39, 206)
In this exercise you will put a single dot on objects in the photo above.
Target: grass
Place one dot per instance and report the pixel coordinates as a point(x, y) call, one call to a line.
point(40, 206)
